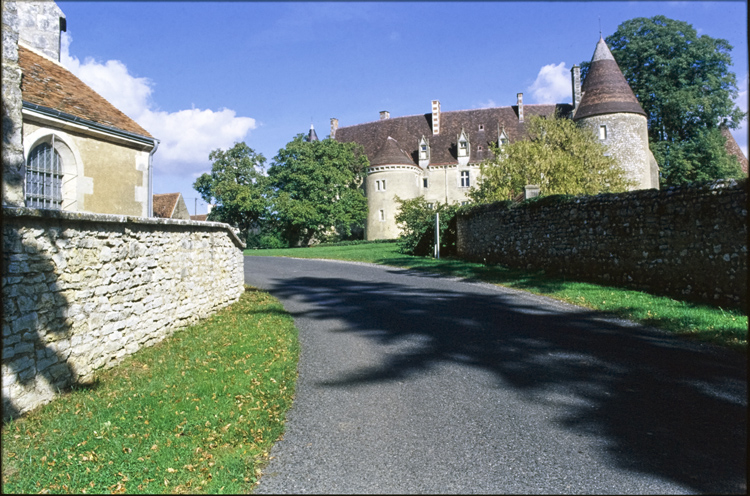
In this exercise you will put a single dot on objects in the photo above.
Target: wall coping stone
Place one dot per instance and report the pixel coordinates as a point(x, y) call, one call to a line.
point(702, 187)
point(20, 212)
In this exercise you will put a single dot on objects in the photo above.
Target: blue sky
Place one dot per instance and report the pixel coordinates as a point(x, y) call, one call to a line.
point(202, 75)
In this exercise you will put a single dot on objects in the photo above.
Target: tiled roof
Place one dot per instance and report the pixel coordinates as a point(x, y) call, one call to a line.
point(165, 204)
point(733, 148)
point(200, 218)
point(605, 89)
point(391, 154)
point(48, 84)
point(407, 131)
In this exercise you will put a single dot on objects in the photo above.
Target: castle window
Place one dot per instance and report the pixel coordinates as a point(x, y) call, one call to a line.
point(44, 178)
point(424, 182)
point(380, 185)
point(481, 127)
point(382, 215)
point(462, 148)
point(465, 179)
point(431, 206)
point(423, 152)
point(602, 132)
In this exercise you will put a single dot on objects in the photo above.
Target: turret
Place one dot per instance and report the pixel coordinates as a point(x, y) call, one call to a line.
point(610, 109)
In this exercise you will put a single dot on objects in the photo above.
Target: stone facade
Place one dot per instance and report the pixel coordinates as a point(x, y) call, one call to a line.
point(40, 24)
point(13, 159)
point(626, 138)
point(82, 291)
point(689, 242)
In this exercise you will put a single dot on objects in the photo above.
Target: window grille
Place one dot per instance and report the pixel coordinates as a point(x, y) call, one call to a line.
point(44, 178)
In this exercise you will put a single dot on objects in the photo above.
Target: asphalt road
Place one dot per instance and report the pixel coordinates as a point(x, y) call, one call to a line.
point(410, 383)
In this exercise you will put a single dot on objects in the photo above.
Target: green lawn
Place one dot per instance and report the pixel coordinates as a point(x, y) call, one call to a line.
point(702, 322)
point(198, 412)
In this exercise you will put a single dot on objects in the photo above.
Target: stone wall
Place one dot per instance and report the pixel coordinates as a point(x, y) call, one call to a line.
point(688, 242)
point(82, 291)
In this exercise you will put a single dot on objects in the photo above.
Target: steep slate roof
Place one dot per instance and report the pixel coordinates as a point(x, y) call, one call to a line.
point(48, 84)
point(391, 154)
point(165, 204)
point(605, 89)
point(407, 131)
point(312, 135)
point(733, 148)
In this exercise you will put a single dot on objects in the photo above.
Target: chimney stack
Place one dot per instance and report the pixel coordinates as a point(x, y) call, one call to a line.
point(575, 76)
point(435, 117)
point(334, 127)
point(520, 107)
point(384, 114)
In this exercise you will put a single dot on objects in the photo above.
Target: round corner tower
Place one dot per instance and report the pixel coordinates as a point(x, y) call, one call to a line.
point(610, 109)
point(391, 174)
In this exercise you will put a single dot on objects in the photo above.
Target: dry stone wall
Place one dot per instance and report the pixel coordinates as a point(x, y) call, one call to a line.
point(688, 242)
point(82, 291)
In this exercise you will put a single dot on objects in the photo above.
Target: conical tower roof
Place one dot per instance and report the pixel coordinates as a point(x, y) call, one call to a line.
point(312, 135)
point(391, 154)
point(605, 90)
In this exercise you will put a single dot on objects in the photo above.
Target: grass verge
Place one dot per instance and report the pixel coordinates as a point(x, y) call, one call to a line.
point(702, 322)
point(198, 412)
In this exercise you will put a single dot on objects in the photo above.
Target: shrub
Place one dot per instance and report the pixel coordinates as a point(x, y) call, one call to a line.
point(417, 223)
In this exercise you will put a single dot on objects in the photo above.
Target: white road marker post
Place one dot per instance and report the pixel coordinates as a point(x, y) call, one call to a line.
point(437, 235)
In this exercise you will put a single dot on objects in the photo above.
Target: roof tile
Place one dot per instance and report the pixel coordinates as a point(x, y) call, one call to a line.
point(48, 84)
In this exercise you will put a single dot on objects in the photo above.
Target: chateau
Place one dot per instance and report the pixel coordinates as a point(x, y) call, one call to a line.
point(438, 155)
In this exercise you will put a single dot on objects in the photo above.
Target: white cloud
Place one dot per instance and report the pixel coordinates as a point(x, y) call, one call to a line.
point(488, 104)
point(187, 136)
point(552, 84)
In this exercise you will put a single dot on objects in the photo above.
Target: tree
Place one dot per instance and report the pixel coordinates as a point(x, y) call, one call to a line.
point(236, 186)
point(416, 219)
point(558, 156)
point(315, 189)
point(684, 85)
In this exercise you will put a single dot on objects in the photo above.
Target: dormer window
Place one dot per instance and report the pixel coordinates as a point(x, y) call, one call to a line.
point(424, 152)
point(463, 144)
point(502, 138)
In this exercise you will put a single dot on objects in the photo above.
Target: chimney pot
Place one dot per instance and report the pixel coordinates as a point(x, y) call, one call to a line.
point(334, 127)
point(435, 117)
point(384, 114)
point(575, 76)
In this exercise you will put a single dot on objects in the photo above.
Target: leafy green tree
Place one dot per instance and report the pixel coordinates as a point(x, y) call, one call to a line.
point(315, 189)
point(416, 219)
point(558, 156)
point(236, 185)
point(684, 85)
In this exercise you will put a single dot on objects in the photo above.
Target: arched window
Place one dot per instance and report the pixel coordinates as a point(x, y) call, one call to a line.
point(44, 174)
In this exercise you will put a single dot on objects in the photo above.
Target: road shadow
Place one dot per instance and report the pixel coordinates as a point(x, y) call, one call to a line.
point(665, 406)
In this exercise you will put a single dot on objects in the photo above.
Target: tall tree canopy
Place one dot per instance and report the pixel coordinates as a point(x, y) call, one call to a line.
point(558, 156)
point(684, 84)
point(315, 188)
point(236, 186)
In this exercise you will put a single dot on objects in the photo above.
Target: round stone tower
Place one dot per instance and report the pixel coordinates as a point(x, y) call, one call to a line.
point(391, 173)
point(610, 109)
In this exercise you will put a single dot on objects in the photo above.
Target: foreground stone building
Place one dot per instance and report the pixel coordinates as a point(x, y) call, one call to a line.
point(80, 153)
point(438, 155)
